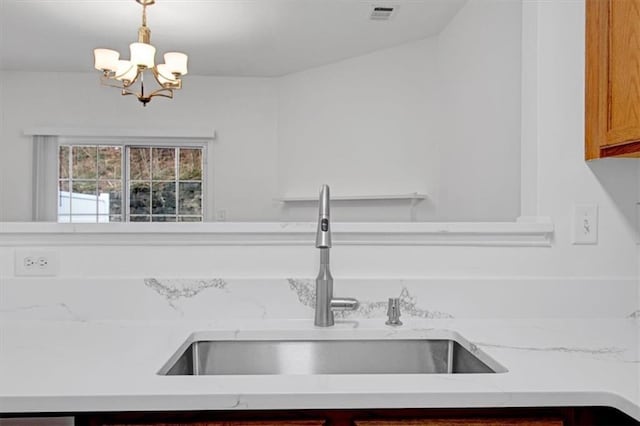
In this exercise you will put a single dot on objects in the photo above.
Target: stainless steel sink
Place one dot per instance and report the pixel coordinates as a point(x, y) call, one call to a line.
point(304, 357)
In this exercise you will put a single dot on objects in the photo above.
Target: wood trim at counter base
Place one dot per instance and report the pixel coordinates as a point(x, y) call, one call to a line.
point(466, 422)
point(531, 416)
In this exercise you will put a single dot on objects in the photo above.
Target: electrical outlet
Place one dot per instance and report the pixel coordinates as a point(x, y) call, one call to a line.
point(36, 263)
point(585, 224)
point(221, 215)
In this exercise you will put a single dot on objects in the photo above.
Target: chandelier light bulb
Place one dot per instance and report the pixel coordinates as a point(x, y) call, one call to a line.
point(176, 62)
point(105, 59)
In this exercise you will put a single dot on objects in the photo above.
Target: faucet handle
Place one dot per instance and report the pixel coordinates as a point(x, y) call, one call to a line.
point(393, 312)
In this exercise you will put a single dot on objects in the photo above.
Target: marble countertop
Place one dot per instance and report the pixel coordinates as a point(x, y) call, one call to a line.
point(76, 366)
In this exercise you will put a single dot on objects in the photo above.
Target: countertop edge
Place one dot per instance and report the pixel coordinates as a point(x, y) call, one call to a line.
point(309, 401)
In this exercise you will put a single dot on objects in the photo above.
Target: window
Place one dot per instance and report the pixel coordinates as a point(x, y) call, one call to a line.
point(137, 183)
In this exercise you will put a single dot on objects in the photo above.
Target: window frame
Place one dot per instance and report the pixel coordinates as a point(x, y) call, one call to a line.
point(97, 179)
point(47, 166)
point(126, 180)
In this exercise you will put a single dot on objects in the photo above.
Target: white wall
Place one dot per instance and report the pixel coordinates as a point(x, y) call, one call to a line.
point(366, 125)
point(4, 186)
point(243, 111)
point(479, 56)
point(440, 116)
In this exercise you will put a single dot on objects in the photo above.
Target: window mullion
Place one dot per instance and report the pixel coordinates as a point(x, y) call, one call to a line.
point(176, 179)
point(97, 185)
point(126, 212)
point(150, 184)
point(204, 184)
point(71, 180)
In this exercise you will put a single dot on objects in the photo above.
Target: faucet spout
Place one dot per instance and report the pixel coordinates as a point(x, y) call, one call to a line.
point(323, 234)
point(326, 304)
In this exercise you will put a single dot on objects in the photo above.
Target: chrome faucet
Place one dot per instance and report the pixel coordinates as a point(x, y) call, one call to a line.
point(326, 304)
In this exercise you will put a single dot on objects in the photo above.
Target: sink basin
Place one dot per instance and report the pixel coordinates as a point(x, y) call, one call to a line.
point(305, 357)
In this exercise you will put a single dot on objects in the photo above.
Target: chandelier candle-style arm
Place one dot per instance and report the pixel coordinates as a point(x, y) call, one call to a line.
point(124, 74)
point(165, 93)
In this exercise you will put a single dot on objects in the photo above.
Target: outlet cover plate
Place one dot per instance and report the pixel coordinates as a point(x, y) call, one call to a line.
point(36, 263)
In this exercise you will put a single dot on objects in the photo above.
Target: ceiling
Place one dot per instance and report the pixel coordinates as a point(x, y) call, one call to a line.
point(221, 37)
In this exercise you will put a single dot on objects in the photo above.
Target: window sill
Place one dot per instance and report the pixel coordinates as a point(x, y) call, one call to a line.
point(526, 232)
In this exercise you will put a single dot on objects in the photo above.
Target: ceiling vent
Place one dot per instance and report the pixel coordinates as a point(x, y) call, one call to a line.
point(382, 13)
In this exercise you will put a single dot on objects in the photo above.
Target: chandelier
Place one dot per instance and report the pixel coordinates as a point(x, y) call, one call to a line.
point(129, 75)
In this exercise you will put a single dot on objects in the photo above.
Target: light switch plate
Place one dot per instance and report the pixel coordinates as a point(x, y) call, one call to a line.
point(36, 263)
point(585, 224)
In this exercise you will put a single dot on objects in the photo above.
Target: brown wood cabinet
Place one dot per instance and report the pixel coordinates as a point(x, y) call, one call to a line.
point(465, 422)
point(398, 422)
point(612, 103)
point(235, 423)
point(526, 416)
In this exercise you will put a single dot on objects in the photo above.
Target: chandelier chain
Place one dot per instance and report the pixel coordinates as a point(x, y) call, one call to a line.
point(144, 15)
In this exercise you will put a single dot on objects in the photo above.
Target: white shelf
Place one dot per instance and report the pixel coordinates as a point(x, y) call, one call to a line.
point(413, 196)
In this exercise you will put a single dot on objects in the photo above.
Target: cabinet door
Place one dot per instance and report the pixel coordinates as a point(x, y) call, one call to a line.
point(463, 422)
point(232, 423)
point(612, 78)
